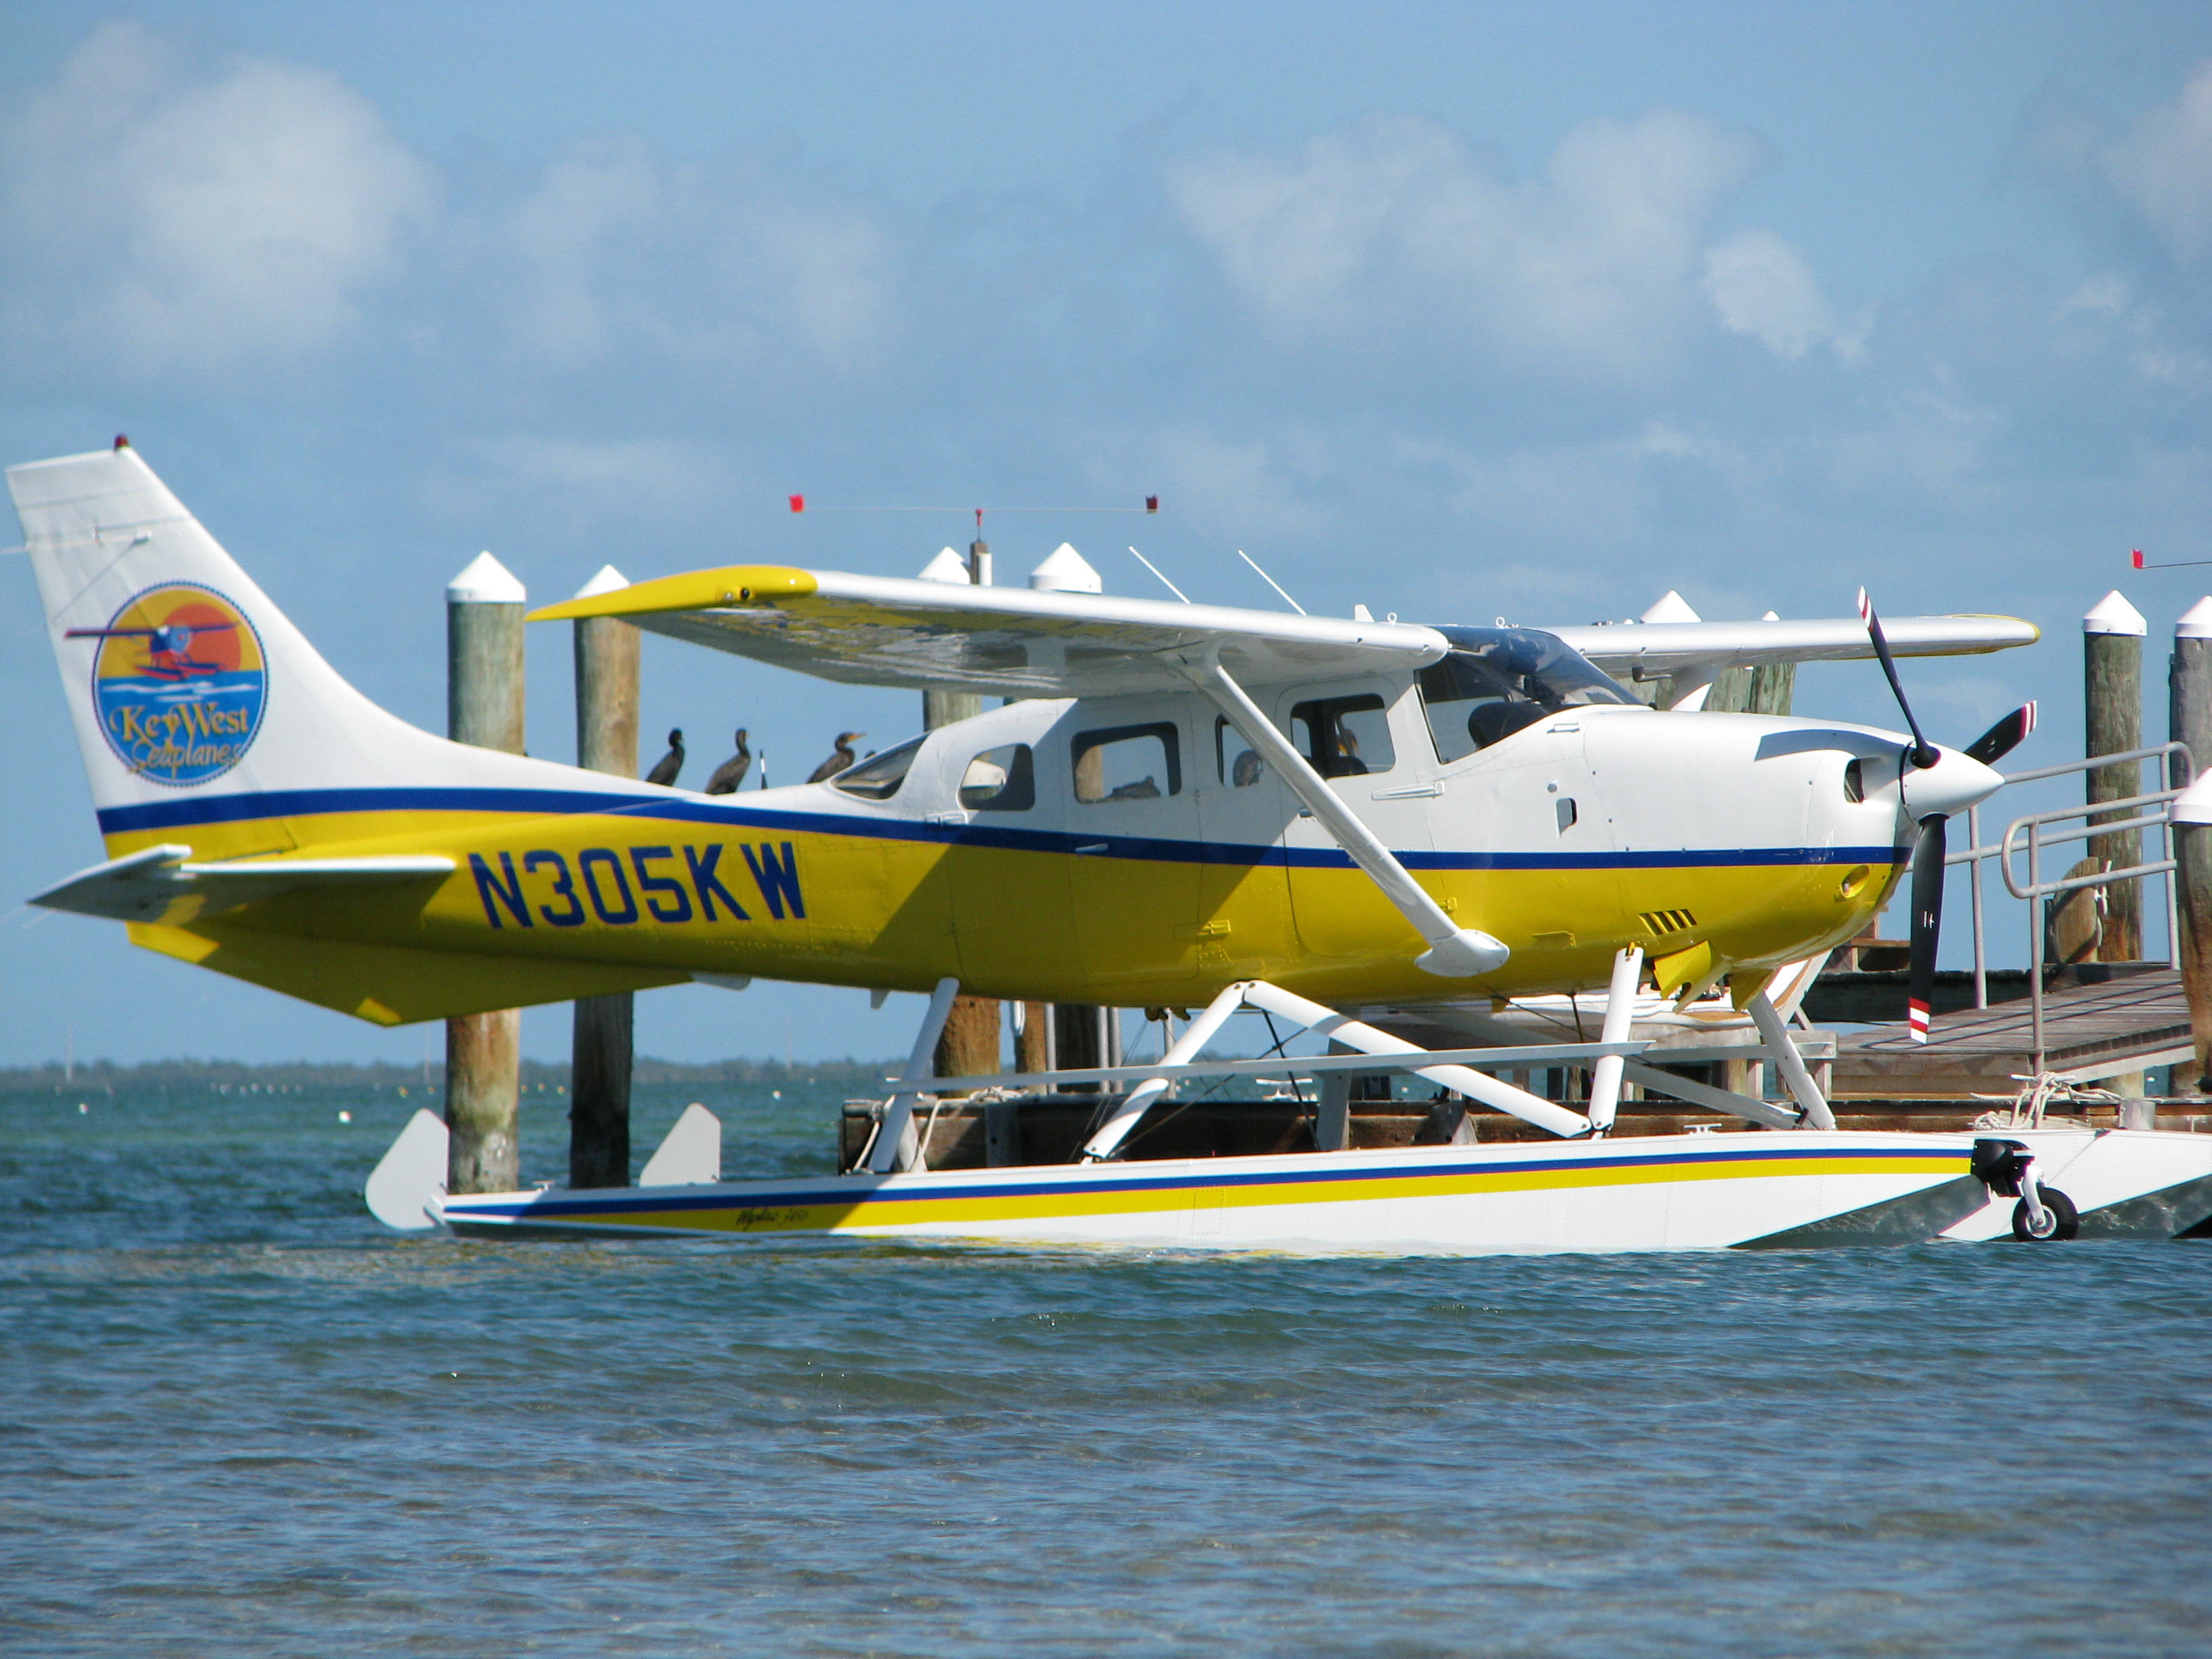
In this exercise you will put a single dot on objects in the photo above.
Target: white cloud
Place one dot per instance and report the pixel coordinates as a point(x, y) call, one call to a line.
point(159, 219)
point(2163, 167)
point(1397, 224)
point(1762, 287)
point(2106, 294)
point(616, 252)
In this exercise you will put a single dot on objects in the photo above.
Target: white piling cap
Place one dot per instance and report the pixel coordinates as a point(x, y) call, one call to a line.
point(1671, 607)
point(2113, 615)
point(609, 581)
point(2194, 804)
point(947, 566)
point(1066, 571)
point(1770, 617)
point(486, 581)
point(2195, 623)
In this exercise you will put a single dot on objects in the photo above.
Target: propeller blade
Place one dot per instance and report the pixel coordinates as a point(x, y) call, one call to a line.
point(2000, 740)
point(1923, 753)
point(1927, 921)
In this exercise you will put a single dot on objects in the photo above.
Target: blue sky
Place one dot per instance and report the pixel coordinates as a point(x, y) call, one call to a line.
point(1461, 311)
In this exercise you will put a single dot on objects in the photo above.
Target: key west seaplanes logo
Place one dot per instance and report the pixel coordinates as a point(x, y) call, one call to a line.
point(180, 683)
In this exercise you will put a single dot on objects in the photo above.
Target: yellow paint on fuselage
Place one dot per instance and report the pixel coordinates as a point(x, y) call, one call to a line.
point(544, 908)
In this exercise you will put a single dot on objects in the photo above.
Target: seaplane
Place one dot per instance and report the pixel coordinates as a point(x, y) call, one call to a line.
point(169, 648)
point(1341, 823)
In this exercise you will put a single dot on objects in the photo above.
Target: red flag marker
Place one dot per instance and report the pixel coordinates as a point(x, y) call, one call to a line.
point(798, 505)
point(1152, 503)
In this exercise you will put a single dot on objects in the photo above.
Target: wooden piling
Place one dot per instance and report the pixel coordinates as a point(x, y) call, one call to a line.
point(2111, 673)
point(484, 705)
point(2189, 711)
point(600, 1032)
point(1033, 1042)
point(969, 1044)
point(1083, 1035)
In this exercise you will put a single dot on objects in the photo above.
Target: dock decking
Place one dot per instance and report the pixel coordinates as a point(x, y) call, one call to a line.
point(2128, 1024)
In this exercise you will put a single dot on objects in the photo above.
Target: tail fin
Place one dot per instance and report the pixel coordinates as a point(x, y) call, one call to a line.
point(197, 702)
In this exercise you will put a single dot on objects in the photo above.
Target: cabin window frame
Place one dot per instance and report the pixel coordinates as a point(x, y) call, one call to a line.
point(1223, 726)
point(1017, 791)
point(880, 789)
point(1083, 745)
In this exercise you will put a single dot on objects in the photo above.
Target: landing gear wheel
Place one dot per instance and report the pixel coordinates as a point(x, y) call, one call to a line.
point(2062, 1220)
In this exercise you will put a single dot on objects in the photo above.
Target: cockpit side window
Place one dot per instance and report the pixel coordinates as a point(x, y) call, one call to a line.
point(1344, 737)
point(878, 777)
point(1497, 680)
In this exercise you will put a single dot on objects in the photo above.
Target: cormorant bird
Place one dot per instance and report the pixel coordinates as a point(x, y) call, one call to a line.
point(665, 769)
point(732, 772)
point(839, 758)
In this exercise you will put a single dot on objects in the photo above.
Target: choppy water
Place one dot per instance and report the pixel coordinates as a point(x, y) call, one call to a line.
point(236, 1417)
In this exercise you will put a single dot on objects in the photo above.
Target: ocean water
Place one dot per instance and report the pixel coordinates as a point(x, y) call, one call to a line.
point(236, 1417)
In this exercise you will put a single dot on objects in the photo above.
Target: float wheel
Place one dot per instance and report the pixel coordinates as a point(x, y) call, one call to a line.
point(2063, 1221)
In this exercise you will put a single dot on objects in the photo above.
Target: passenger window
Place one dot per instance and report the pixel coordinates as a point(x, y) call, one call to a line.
point(1001, 779)
point(1344, 737)
point(878, 777)
point(1129, 763)
point(1236, 762)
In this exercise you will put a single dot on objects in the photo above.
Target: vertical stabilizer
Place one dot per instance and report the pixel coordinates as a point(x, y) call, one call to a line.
point(195, 699)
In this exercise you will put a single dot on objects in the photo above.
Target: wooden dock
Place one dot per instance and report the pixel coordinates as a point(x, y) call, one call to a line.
point(2127, 1023)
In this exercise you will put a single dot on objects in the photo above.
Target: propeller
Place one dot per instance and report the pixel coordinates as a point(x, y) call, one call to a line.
point(1931, 842)
point(2000, 740)
point(1927, 850)
point(1923, 754)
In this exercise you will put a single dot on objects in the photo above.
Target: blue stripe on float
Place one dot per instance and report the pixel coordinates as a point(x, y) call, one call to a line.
point(856, 1191)
point(554, 803)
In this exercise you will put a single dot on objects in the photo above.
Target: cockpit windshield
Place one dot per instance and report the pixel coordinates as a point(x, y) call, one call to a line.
point(1497, 680)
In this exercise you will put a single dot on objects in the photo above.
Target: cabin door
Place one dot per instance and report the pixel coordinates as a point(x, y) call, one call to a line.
point(1135, 857)
point(1364, 735)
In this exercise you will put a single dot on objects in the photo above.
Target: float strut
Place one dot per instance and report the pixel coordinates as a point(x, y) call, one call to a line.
point(1619, 1015)
point(890, 1149)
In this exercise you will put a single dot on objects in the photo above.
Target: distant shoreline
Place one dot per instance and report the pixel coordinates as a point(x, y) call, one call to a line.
point(106, 1076)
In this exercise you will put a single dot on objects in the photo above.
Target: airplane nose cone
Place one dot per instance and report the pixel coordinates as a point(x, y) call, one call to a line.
point(1952, 785)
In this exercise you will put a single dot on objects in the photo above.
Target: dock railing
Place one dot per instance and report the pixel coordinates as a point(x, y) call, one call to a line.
point(2031, 835)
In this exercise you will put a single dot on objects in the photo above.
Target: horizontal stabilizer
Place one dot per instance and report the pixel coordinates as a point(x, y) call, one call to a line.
point(162, 884)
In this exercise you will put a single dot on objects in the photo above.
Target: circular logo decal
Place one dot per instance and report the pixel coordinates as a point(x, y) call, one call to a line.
point(180, 683)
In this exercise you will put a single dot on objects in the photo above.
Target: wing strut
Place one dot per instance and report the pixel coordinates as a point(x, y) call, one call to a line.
point(1453, 952)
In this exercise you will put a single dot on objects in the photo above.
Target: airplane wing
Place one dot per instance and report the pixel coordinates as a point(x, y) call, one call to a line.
point(1650, 650)
point(889, 630)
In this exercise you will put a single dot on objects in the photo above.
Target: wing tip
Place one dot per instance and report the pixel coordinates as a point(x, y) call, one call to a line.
point(693, 590)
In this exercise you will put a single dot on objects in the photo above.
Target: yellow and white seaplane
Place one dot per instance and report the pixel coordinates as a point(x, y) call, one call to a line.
point(1180, 805)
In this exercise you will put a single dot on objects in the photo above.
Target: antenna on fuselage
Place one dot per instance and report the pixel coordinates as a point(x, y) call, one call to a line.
point(1162, 575)
point(1266, 577)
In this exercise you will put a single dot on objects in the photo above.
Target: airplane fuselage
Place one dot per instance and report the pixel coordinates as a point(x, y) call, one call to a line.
point(1118, 850)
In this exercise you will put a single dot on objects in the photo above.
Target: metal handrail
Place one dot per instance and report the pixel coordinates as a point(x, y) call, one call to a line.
point(2035, 821)
point(2180, 769)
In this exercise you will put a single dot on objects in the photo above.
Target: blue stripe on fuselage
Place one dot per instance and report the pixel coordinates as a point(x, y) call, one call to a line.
point(552, 802)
